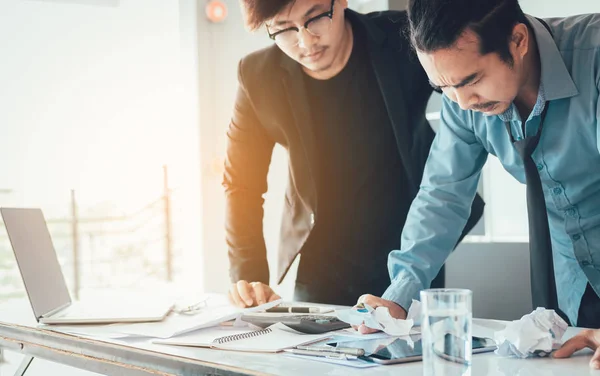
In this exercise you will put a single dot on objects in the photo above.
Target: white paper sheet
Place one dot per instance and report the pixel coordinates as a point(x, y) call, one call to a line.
point(172, 325)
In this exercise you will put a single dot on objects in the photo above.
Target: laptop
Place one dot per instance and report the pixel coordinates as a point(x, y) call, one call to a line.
point(45, 283)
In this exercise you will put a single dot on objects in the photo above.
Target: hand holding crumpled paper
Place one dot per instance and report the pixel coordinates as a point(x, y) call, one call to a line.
point(537, 333)
point(381, 319)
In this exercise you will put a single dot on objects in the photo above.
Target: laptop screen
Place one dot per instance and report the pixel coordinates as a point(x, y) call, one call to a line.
point(37, 260)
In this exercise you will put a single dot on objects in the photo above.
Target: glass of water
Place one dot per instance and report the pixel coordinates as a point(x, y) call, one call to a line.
point(446, 331)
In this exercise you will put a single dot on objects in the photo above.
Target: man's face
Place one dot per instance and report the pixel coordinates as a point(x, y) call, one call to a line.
point(315, 53)
point(483, 83)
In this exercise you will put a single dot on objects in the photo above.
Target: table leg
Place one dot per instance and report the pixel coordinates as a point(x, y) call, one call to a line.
point(24, 365)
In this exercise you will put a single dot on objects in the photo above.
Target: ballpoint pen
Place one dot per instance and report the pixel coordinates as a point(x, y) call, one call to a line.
point(340, 350)
point(323, 354)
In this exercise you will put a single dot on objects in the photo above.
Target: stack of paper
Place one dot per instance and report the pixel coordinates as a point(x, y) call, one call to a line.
point(173, 325)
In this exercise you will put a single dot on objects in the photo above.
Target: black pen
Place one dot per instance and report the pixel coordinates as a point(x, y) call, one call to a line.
point(294, 310)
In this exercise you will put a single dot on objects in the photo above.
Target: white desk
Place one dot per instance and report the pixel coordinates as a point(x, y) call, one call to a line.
point(113, 357)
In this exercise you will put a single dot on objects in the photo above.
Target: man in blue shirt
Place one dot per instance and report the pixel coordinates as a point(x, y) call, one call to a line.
point(500, 70)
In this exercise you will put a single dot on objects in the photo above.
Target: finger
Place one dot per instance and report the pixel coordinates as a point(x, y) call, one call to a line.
point(574, 344)
point(363, 329)
point(274, 297)
point(368, 299)
point(361, 298)
point(373, 301)
point(595, 362)
point(259, 292)
point(245, 292)
point(235, 296)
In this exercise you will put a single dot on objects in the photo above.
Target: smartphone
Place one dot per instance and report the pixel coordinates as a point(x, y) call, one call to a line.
point(402, 350)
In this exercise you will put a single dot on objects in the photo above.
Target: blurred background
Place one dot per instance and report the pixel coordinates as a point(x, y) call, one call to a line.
point(113, 116)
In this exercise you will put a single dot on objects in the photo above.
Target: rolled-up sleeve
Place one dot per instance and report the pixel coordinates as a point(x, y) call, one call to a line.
point(441, 208)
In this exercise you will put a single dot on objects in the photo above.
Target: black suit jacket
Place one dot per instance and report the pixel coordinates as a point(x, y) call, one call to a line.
point(272, 107)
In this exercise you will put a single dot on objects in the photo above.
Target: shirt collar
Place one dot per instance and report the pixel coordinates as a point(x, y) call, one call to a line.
point(511, 114)
point(555, 77)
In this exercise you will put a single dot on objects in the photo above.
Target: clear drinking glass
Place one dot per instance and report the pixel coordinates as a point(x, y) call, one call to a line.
point(446, 331)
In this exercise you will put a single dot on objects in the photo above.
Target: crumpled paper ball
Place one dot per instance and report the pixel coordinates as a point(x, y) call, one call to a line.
point(535, 334)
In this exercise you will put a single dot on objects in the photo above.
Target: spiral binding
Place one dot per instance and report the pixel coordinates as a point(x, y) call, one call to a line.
point(238, 337)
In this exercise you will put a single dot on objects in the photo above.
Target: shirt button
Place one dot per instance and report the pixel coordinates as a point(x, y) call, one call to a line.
point(557, 190)
point(540, 167)
point(570, 212)
point(585, 263)
point(576, 237)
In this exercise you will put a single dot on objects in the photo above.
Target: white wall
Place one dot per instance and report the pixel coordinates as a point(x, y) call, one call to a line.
point(93, 99)
point(86, 94)
point(559, 8)
point(221, 46)
point(366, 6)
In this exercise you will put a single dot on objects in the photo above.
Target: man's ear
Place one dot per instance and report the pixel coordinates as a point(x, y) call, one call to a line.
point(519, 40)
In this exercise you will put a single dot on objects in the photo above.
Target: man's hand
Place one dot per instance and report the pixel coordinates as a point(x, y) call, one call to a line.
point(587, 338)
point(396, 311)
point(244, 294)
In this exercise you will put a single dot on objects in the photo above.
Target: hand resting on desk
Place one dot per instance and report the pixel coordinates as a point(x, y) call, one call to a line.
point(587, 338)
point(396, 311)
point(244, 294)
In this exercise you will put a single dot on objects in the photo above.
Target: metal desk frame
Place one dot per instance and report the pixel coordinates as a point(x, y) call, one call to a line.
point(102, 357)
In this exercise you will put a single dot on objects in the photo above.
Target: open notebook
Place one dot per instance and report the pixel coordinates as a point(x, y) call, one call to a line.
point(275, 338)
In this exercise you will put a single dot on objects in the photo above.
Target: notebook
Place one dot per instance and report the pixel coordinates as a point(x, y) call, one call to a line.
point(275, 338)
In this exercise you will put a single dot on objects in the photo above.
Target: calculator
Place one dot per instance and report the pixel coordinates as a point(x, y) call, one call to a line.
point(304, 323)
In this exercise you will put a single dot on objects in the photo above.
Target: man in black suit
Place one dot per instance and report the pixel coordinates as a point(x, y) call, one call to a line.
point(342, 92)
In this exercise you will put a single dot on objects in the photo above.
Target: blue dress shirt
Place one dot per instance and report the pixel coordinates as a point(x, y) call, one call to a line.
point(567, 157)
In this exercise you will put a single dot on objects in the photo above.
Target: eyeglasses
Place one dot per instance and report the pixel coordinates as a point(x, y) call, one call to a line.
point(317, 26)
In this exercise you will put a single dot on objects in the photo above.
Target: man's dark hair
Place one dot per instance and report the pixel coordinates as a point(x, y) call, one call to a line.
point(257, 12)
point(438, 24)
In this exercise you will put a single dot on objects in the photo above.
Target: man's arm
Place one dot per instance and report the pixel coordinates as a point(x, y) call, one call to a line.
point(440, 211)
point(423, 136)
point(249, 151)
